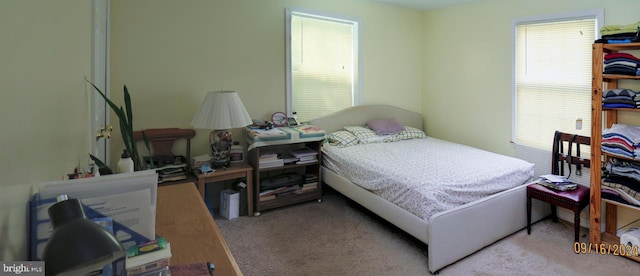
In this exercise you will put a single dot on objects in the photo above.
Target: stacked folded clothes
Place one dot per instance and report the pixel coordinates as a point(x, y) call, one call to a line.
point(620, 98)
point(622, 140)
point(622, 182)
point(619, 33)
point(621, 64)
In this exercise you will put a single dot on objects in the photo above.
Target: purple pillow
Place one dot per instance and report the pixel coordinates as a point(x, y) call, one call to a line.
point(385, 126)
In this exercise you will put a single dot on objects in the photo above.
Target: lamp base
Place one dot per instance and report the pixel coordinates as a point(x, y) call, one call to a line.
point(220, 148)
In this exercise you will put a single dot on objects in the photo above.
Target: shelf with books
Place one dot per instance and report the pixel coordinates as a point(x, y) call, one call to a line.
point(286, 174)
point(170, 169)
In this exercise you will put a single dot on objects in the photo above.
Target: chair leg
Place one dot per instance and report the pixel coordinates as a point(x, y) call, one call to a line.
point(576, 225)
point(529, 215)
point(554, 214)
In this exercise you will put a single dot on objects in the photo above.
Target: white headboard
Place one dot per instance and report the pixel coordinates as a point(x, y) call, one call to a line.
point(361, 114)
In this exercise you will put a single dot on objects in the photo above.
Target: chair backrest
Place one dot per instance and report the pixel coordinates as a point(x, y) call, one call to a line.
point(566, 148)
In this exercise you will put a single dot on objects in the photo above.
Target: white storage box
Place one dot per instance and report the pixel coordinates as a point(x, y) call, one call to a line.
point(229, 204)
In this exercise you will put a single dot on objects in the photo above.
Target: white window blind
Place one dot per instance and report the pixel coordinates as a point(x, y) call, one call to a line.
point(321, 65)
point(552, 79)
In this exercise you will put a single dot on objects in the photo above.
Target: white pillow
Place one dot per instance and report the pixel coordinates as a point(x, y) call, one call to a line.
point(342, 138)
point(366, 135)
point(411, 133)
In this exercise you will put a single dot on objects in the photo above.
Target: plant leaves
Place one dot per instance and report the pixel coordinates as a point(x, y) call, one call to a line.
point(113, 106)
point(97, 161)
point(127, 104)
point(147, 144)
point(126, 123)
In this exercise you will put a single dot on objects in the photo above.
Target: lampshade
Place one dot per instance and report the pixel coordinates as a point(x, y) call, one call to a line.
point(221, 110)
point(77, 245)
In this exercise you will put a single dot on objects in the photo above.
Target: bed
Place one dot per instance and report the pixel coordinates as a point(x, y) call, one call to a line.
point(451, 225)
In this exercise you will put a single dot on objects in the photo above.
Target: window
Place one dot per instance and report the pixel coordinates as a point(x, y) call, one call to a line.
point(552, 83)
point(322, 64)
point(552, 80)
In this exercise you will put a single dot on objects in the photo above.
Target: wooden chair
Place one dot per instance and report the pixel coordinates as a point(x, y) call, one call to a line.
point(162, 140)
point(574, 200)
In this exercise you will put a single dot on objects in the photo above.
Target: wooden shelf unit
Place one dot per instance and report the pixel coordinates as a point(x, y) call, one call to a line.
point(602, 82)
point(307, 168)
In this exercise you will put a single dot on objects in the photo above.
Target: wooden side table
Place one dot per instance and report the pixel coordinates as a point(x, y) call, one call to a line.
point(234, 171)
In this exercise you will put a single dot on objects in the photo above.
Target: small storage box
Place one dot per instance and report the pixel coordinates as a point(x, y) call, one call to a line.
point(229, 203)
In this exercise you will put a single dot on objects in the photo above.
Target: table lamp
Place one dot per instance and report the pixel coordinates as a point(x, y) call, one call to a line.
point(220, 111)
point(77, 245)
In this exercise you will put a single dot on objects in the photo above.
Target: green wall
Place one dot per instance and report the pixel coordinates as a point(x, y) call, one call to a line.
point(170, 53)
point(467, 59)
point(45, 54)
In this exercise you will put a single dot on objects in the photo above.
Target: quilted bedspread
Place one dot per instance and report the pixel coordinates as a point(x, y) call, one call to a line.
point(427, 176)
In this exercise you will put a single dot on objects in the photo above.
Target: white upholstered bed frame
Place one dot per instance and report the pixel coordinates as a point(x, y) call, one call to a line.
point(450, 235)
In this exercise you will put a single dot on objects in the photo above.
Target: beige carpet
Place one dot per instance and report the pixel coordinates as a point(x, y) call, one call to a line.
point(338, 237)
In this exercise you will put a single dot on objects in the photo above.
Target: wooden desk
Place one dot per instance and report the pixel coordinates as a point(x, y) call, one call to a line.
point(184, 219)
point(234, 171)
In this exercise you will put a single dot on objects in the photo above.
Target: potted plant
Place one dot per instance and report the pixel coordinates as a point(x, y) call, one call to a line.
point(125, 118)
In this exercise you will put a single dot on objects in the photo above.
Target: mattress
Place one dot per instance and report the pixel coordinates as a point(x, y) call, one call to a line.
point(427, 176)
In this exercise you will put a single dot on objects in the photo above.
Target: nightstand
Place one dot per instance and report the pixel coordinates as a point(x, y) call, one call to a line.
point(234, 171)
point(287, 162)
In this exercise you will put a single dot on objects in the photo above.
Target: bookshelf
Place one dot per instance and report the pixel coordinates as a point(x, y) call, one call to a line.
point(286, 172)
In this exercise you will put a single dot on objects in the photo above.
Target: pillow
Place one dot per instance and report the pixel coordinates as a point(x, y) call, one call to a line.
point(366, 135)
point(385, 126)
point(342, 138)
point(362, 133)
point(411, 133)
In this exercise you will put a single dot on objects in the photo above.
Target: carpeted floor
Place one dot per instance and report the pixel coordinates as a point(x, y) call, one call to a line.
point(338, 237)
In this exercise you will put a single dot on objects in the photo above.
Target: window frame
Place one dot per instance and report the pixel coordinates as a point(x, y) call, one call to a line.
point(598, 14)
point(357, 76)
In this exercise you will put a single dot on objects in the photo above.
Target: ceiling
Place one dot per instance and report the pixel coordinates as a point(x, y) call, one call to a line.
point(424, 4)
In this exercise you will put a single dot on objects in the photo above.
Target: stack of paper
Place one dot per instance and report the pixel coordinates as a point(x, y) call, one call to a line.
point(305, 155)
point(270, 159)
point(557, 182)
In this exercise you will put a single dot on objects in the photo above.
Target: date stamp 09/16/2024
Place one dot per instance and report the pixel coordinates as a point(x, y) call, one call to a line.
point(606, 249)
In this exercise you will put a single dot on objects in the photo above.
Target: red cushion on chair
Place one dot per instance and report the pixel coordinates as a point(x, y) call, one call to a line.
point(580, 194)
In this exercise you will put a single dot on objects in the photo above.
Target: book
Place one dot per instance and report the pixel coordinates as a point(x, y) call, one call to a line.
point(148, 268)
point(309, 129)
point(269, 164)
point(192, 269)
point(273, 191)
point(310, 185)
point(163, 271)
point(303, 152)
point(288, 190)
point(308, 158)
point(267, 197)
point(307, 161)
point(288, 158)
point(269, 158)
point(308, 178)
point(172, 178)
point(181, 173)
point(148, 256)
point(307, 187)
point(268, 155)
point(171, 170)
